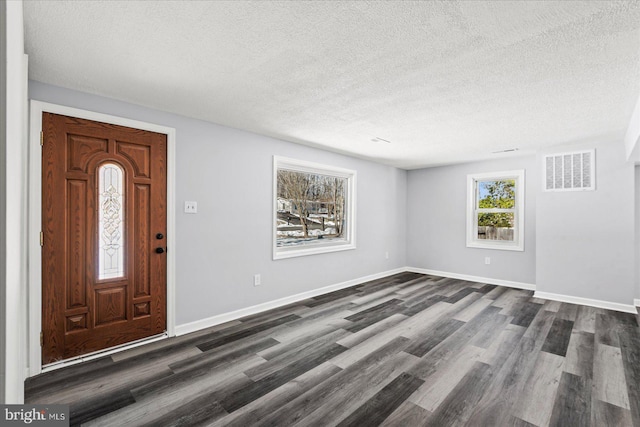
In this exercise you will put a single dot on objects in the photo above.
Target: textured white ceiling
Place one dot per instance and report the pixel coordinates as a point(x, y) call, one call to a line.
point(445, 82)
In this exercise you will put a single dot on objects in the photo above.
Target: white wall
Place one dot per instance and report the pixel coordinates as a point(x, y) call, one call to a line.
point(229, 173)
point(3, 191)
point(585, 240)
point(637, 231)
point(14, 229)
point(632, 150)
point(632, 136)
point(436, 222)
point(577, 244)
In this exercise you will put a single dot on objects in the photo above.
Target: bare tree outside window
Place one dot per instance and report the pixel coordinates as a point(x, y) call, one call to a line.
point(312, 208)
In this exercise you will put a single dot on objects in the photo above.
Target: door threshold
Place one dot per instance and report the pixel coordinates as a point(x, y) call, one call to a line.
point(101, 353)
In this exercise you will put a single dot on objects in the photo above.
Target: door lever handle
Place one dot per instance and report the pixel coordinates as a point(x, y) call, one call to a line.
point(159, 250)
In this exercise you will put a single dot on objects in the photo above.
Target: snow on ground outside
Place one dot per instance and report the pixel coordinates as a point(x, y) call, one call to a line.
point(294, 241)
point(311, 233)
point(315, 218)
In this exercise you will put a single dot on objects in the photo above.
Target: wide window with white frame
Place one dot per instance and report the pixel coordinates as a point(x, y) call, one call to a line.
point(495, 210)
point(314, 208)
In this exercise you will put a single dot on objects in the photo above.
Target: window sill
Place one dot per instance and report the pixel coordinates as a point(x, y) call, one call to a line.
point(320, 249)
point(496, 246)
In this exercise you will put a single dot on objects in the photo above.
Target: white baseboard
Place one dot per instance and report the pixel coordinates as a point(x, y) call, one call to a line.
point(627, 308)
point(233, 315)
point(499, 282)
point(636, 302)
point(237, 314)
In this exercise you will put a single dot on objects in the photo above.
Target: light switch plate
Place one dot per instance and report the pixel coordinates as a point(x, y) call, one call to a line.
point(190, 207)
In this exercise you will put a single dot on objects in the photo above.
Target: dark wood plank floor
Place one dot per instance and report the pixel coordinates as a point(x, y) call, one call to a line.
point(406, 350)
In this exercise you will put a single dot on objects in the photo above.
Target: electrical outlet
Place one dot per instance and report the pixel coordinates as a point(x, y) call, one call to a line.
point(191, 207)
point(257, 281)
point(487, 260)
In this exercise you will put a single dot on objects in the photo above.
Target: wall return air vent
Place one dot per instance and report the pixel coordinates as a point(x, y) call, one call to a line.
point(570, 171)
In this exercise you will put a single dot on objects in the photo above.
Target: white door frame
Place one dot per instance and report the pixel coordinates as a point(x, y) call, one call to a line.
point(35, 219)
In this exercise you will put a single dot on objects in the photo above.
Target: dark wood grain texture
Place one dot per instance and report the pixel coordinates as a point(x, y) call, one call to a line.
point(271, 382)
point(460, 403)
point(405, 350)
point(558, 339)
point(439, 332)
point(525, 314)
point(387, 400)
point(82, 312)
point(573, 402)
point(629, 339)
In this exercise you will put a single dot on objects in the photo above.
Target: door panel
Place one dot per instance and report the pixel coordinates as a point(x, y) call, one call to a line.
point(104, 203)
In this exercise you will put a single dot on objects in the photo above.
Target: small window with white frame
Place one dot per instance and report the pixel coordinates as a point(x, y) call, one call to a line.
point(495, 210)
point(314, 208)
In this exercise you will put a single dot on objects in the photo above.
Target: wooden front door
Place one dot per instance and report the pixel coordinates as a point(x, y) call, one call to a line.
point(104, 224)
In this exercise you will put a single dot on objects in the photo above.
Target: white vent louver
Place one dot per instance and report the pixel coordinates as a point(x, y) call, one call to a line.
point(570, 171)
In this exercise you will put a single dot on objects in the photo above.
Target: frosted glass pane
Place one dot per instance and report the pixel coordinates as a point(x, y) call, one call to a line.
point(111, 221)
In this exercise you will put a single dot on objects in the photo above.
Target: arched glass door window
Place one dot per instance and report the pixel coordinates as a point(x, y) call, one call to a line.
point(111, 221)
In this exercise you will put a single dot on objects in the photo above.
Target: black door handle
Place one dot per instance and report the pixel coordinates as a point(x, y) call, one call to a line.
point(159, 250)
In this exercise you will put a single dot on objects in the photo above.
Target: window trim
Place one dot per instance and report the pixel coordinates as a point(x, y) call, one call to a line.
point(472, 214)
point(349, 242)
